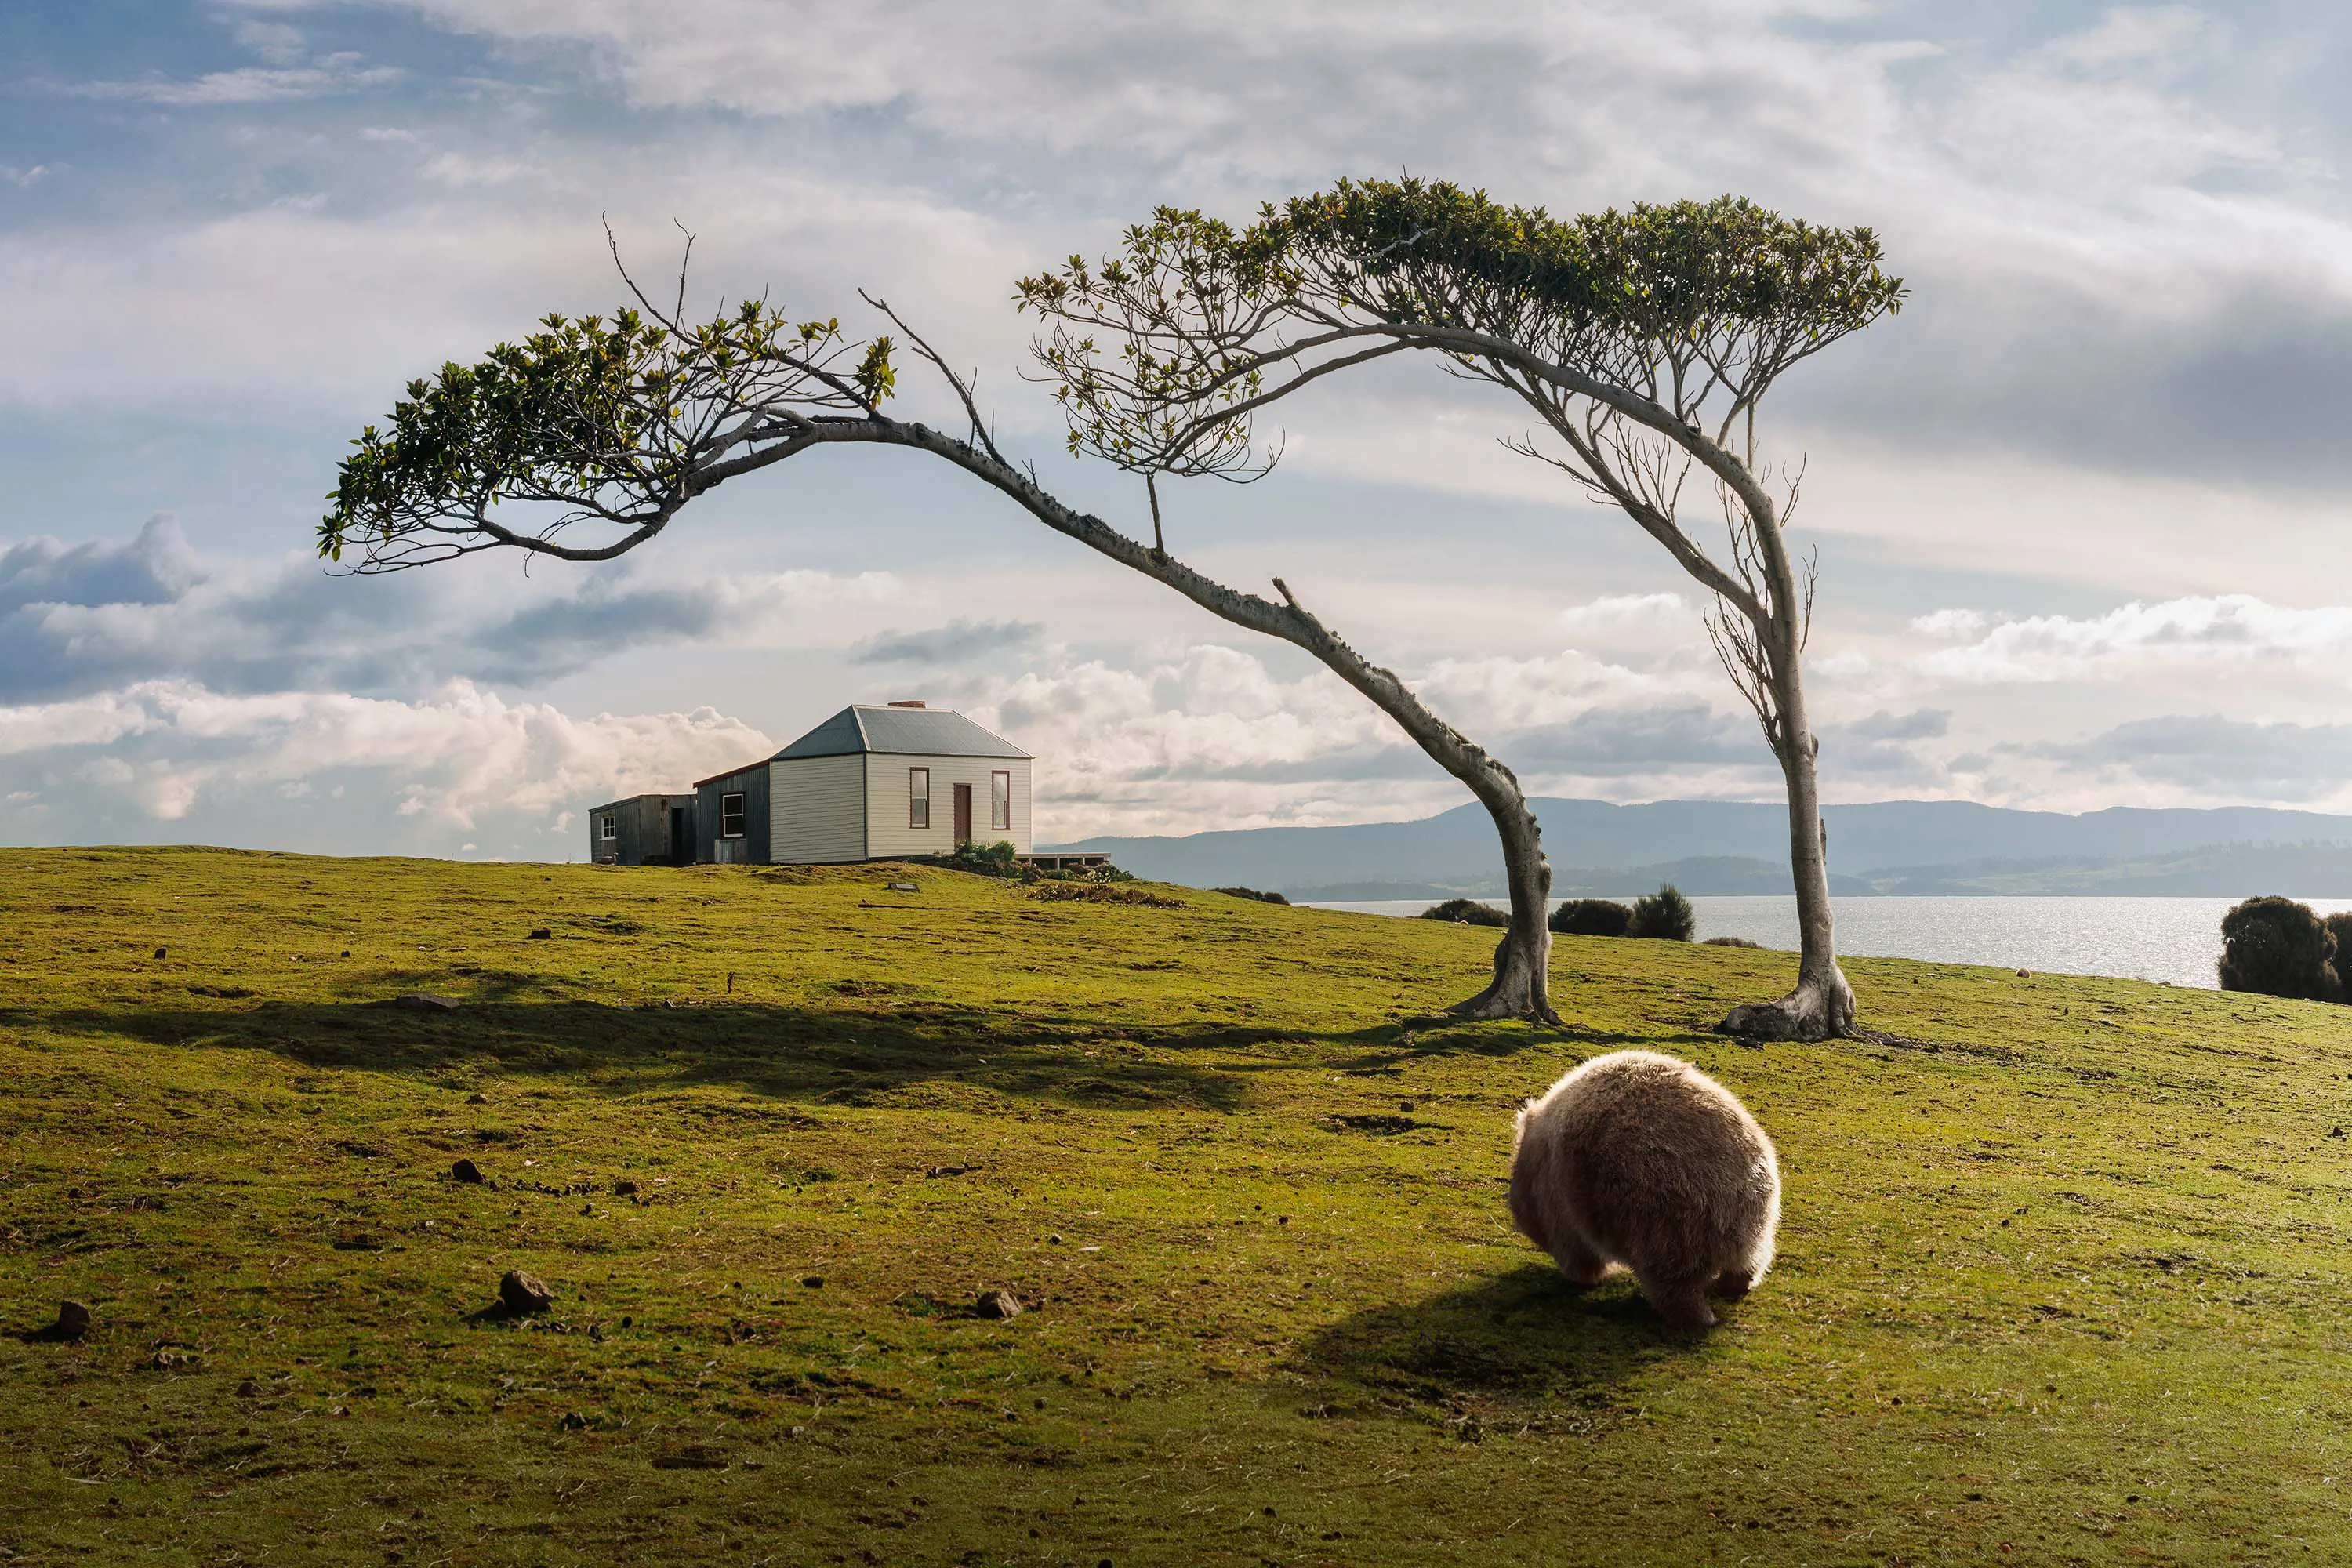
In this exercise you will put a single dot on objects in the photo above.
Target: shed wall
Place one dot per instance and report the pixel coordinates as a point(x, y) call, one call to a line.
point(754, 845)
point(641, 826)
point(887, 833)
point(816, 809)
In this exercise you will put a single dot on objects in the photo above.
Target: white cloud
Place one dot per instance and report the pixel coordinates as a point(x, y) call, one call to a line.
point(463, 169)
point(95, 616)
point(1949, 624)
point(450, 760)
point(2226, 629)
point(259, 304)
point(275, 42)
point(1635, 617)
point(334, 75)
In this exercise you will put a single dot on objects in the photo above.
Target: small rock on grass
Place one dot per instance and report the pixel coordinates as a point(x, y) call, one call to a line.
point(424, 1002)
point(624, 1189)
point(998, 1304)
point(521, 1293)
point(464, 1171)
point(73, 1321)
point(541, 933)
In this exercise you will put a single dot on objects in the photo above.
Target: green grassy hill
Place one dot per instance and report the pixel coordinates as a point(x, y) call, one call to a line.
point(2062, 1279)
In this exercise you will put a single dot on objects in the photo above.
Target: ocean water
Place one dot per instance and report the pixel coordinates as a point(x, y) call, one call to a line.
point(2176, 940)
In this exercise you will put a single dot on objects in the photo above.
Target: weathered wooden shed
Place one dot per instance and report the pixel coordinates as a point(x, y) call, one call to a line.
point(643, 830)
point(870, 783)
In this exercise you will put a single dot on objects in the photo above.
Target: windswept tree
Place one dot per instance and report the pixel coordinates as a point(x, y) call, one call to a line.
point(585, 441)
point(1644, 342)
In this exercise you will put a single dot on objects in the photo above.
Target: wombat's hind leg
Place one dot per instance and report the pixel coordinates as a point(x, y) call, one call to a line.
point(1582, 1266)
point(1733, 1284)
point(1681, 1302)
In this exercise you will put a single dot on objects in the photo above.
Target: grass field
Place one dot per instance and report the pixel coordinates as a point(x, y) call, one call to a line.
point(2063, 1277)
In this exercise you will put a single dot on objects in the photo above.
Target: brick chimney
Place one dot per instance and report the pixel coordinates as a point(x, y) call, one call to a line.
point(909, 702)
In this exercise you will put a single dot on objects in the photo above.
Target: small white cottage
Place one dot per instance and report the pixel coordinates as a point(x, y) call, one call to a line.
point(869, 784)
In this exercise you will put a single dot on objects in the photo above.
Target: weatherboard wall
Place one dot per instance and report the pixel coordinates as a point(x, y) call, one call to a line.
point(889, 833)
point(816, 810)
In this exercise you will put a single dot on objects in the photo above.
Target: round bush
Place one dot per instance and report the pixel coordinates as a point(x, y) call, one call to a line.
point(1665, 914)
point(2276, 947)
point(2340, 928)
point(1590, 917)
point(1466, 912)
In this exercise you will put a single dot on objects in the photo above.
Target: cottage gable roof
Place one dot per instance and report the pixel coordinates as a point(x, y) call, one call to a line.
point(909, 732)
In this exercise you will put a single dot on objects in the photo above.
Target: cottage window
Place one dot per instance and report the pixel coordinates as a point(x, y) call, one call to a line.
point(730, 815)
point(918, 797)
point(610, 831)
point(999, 802)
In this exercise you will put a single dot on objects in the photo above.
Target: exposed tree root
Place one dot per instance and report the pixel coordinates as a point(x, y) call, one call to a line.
point(1513, 993)
point(1814, 1011)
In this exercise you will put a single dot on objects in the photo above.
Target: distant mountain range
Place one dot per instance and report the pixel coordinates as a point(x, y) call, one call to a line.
point(1720, 846)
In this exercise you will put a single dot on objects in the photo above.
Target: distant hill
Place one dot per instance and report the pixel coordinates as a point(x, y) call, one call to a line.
point(1598, 848)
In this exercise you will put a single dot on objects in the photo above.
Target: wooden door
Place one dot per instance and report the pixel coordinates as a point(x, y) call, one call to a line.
point(964, 814)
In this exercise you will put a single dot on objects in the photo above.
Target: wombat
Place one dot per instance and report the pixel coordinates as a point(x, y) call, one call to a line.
point(1639, 1158)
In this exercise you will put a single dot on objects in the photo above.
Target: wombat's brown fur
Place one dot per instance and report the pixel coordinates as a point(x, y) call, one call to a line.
point(1639, 1158)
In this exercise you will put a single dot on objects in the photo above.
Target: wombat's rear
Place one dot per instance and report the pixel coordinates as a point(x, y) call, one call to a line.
point(1639, 1158)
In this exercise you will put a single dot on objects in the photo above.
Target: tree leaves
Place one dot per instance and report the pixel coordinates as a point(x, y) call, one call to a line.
point(611, 418)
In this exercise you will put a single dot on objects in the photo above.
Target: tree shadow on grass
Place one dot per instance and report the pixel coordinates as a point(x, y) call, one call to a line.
point(1520, 1338)
point(845, 1056)
point(1394, 1049)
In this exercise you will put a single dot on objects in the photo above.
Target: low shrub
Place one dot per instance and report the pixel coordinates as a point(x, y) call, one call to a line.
point(1105, 872)
point(1103, 893)
point(1253, 893)
point(1466, 912)
point(2277, 947)
point(1591, 917)
point(998, 859)
point(1664, 915)
point(1730, 942)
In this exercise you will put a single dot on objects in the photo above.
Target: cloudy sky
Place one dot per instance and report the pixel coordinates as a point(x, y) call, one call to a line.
point(2082, 530)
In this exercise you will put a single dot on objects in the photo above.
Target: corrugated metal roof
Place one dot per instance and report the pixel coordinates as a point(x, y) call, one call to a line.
point(900, 732)
point(673, 796)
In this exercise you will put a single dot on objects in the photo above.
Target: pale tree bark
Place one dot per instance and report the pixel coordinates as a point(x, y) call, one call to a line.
point(1630, 450)
point(1644, 340)
point(1822, 1005)
point(1520, 986)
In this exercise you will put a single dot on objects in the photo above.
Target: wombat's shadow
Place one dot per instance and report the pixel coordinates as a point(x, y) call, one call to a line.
point(1525, 1333)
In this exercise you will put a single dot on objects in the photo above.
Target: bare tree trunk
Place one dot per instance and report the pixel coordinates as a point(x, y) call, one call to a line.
point(1521, 984)
point(1520, 988)
point(1822, 1006)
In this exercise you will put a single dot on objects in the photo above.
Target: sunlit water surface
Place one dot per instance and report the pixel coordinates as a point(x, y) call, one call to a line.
point(2139, 939)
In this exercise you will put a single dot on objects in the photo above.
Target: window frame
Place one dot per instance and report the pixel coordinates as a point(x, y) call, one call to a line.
point(919, 800)
point(609, 827)
point(742, 817)
point(1000, 807)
